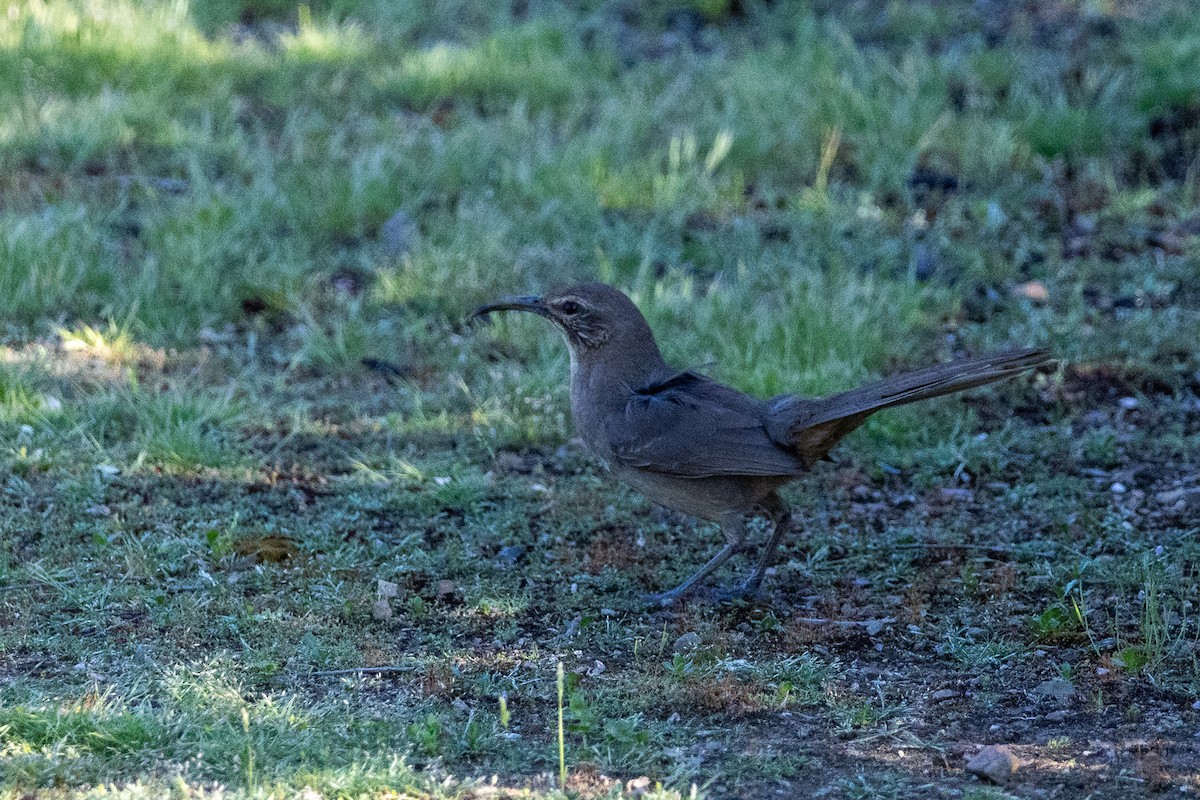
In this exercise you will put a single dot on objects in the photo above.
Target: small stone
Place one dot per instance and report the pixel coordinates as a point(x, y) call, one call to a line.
point(1118, 488)
point(686, 643)
point(638, 786)
point(996, 763)
point(397, 234)
point(381, 610)
point(1128, 403)
point(1179, 497)
point(904, 501)
point(1056, 689)
point(445, 587)
point(925, 263)
point(107, 470)
point(510, 555)
point(387, 589)
point(957, 495)
point(944, 694)
point(98, 510)
point(1058, 716)
point(1033, 291)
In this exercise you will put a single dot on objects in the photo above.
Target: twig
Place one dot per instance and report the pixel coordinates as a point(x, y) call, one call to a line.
point(51, 582)
point(382, 670)
point(848, 623)
point(987, 548)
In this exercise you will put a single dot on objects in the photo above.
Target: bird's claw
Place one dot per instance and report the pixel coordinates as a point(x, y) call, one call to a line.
point(662, 599)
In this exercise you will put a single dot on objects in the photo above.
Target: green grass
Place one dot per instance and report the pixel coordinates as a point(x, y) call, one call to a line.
point(212, 213)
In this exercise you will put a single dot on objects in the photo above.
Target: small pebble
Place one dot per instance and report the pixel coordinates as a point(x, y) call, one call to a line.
point(1056, 689)
point(994, 762)
point(510, 555)
point(686, 643)
point(381, 610)
point(1128, 403)
point(638, 786)
point(398, 234)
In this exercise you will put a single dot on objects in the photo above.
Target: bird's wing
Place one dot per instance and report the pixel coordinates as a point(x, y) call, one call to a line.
point(693, 427)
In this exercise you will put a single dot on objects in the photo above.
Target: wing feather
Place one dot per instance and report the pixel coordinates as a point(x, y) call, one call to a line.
point(693, 427)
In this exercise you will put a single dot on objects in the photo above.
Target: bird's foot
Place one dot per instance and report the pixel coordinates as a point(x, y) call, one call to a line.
point(664, 599)
point(742, 592)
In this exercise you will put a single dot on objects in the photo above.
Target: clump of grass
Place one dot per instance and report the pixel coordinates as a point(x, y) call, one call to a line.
point(113, 344)
point(55, 259)
point(20, 400)
point(689, 180)
point(532, 63)
point(818, 332)
point(174, 430)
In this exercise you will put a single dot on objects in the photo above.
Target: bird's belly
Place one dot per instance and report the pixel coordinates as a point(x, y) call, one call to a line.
point(710, 498)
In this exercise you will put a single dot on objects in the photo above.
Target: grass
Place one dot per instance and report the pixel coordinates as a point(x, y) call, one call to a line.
point(212, 214)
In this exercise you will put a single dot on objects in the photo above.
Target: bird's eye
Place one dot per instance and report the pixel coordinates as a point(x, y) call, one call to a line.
point(571, 308)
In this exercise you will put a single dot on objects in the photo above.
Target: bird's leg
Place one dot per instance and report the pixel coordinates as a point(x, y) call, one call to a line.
point(735, 536)
point(782, 517)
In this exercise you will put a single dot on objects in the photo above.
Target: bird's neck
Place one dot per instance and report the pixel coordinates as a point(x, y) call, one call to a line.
point(602, 379)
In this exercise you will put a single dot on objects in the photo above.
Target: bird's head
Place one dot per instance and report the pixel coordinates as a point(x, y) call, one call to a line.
point(592, 316)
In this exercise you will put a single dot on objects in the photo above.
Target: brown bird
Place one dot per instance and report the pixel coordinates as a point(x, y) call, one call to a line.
point(705, 449)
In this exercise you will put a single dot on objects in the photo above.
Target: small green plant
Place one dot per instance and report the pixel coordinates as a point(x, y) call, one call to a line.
point(427, 735)
point(562, 743)
point(248, 750)
point(114, 343)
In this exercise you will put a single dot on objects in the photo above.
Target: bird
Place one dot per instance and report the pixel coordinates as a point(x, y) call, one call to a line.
point(705, 449)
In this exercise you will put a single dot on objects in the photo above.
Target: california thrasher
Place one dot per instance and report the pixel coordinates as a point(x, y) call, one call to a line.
point(705, 449)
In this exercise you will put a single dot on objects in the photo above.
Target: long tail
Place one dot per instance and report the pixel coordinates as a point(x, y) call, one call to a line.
point(812, 427)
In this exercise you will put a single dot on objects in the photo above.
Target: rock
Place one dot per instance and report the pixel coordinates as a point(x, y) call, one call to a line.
point(1058, 716)
point(387, 589)
point(1055, 689)
point(381, 610)
point(510, 555)
point(686, 643)
point(925, 263)
point(944, 694)
point(397, 234)
point(957, 495)
point(904, 501)
point(445, 588)
point(1033, 291)
point(1128, 403)
point(995, 762)
point(874, 627)
point(1182, 497)
point(638, 786)
point(1118, 488)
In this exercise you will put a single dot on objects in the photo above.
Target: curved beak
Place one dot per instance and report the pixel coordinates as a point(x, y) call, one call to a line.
point(530, 303)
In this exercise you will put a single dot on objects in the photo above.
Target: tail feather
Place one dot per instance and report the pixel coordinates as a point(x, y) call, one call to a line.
point(812, 427)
